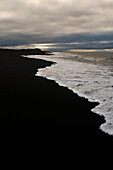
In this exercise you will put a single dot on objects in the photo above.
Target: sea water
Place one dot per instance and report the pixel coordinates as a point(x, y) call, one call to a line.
point(89, 74)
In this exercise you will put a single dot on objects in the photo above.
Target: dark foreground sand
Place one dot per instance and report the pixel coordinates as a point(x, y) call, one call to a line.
point(36, 109)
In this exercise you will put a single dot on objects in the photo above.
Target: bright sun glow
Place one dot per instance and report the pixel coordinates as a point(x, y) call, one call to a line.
point(43, 45)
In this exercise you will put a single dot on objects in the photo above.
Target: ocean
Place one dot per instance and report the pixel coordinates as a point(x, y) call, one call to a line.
point(87, 73)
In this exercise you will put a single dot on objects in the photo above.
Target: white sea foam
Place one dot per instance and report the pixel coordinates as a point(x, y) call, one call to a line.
point(86, 78)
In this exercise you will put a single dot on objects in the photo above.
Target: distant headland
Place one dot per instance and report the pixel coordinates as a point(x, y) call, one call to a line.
point(35, 51)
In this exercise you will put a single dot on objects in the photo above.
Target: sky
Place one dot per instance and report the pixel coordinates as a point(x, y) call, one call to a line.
point(40, 21)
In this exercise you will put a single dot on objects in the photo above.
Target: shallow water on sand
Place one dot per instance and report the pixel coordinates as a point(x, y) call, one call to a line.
point(89, 74)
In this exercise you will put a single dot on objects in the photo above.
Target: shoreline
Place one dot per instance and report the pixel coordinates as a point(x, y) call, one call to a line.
point(64, 85)
point(39, 109)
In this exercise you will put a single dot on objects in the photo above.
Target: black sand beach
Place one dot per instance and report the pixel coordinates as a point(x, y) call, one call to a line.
point(36, 109)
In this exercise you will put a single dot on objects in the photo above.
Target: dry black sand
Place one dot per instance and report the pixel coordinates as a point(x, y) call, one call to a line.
point(36, 109)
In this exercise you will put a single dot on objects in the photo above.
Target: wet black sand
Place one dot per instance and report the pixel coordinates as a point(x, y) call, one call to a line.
point(36, 109)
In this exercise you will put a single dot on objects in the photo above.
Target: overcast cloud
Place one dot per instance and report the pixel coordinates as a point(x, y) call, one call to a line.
point(49, 18)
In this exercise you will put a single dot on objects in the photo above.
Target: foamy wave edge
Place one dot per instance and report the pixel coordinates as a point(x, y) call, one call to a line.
point(102, 126)
point(105, 127)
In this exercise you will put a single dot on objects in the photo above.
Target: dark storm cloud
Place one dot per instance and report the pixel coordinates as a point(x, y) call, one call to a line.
point(50, 18)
